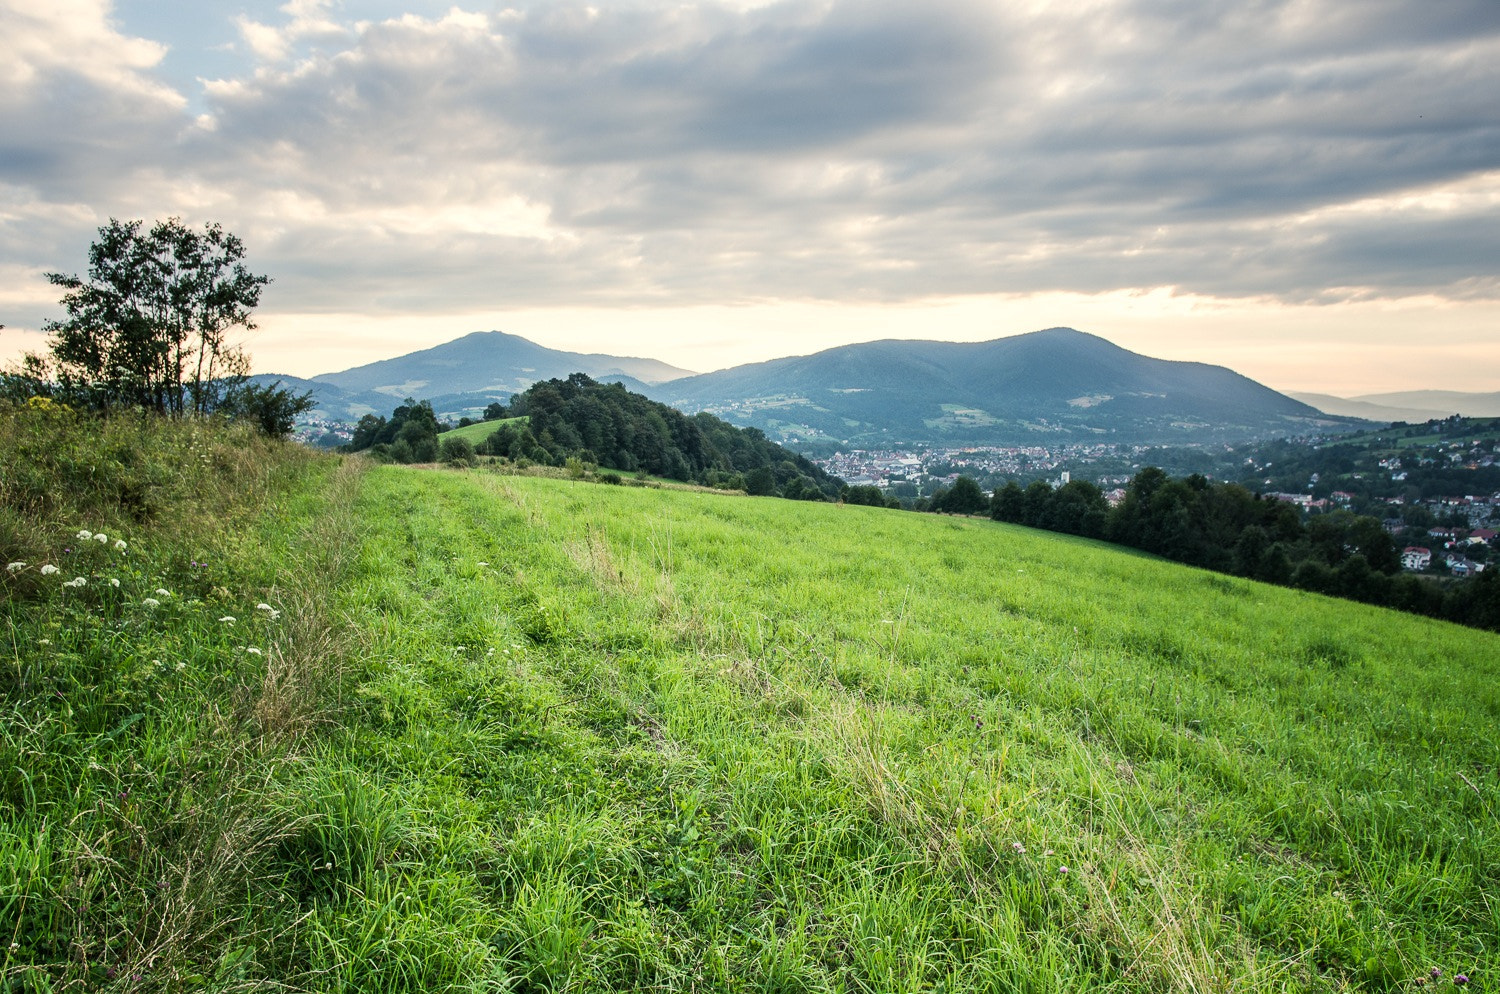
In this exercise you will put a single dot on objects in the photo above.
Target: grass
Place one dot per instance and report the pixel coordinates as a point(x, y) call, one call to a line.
point(479, 431)
point(536, 734)
point(859, 755)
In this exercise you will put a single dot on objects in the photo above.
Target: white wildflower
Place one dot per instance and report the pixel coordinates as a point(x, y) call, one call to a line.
point(77, 581)
point(49, 570)
point(180, 666)
point(254, 651)
point(163, 592)
point(101, 538)
point(43, 641)
point(263, 606)
point(484, 564)
point(121, 545)
point(15, 567)
point(151, 602)
point(113, 582)
point(84, 535)
point(228, 619)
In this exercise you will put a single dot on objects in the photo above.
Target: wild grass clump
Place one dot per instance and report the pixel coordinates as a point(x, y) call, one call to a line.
point(164, 657)
point(121, 475)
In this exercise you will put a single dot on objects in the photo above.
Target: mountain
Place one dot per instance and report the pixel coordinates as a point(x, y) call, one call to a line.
point(1367, 409)
point(1048, 386)
point(466, 374)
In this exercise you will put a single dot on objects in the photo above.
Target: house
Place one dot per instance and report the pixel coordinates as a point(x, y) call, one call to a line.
point(1414, 557)
point(1460, 566)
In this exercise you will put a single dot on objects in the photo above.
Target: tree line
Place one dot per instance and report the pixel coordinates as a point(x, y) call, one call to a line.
point(1226, 528)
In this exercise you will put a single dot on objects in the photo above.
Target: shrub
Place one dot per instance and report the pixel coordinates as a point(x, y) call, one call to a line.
point(458, 451)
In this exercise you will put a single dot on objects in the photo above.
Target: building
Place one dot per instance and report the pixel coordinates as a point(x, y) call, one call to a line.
point(1414, 557)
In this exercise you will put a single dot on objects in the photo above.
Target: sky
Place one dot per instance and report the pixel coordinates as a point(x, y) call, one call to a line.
point(1306, 191)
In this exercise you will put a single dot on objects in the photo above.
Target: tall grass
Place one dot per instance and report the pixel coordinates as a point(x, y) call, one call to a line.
point(165, 655)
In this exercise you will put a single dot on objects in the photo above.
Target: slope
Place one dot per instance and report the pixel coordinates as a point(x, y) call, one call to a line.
point(723, 743)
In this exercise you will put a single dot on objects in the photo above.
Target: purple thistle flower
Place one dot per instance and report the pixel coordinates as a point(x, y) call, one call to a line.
point(1460, 979)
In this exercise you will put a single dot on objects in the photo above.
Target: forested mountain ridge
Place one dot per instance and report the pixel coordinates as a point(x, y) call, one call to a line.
point(1045, 386)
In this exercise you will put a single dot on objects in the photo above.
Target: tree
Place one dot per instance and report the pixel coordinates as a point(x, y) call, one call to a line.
point(271, 407)
point(964, 497)
point(150, 325)
point(760, 482)
point(1008, 503)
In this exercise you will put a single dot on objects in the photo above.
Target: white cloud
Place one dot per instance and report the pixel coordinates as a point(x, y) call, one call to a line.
point(308, 20)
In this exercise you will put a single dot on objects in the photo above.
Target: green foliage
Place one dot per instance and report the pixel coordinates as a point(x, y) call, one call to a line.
point(607, 425)
point(270, 407)
point(867, 496)
point(411, 434)
point(964, 497)
point(459, 451)
point(149, 325)
point(157, 670)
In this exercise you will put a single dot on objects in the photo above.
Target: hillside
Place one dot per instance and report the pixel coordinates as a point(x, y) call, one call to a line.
point(1047, 386)
point(500, 732)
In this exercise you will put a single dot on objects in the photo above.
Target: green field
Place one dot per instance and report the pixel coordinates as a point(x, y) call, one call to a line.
point(511, 733)
point(477, 432)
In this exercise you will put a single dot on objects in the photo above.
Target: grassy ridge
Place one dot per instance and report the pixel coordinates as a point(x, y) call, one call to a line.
point(512, 733)
point(683, 741)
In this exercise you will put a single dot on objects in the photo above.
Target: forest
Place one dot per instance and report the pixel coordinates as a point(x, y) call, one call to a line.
point(607, 426)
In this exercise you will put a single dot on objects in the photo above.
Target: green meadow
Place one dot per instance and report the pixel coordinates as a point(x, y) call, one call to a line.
point(479, 431)
point(514, 733)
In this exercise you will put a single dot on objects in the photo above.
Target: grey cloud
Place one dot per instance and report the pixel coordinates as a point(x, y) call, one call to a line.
point(836, 149)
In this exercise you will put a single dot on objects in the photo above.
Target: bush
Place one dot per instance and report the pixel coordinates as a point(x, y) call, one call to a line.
point(458, 451)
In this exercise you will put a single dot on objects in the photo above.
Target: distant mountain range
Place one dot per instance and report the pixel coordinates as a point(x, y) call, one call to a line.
point(465, 375)
point(1045, 387)
point(1414, 406)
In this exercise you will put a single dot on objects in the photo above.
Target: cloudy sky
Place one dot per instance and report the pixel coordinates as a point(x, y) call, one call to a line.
point(1307, 191)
